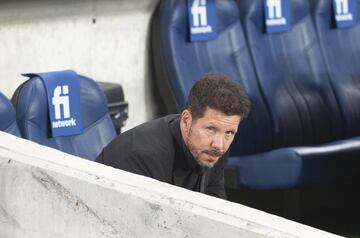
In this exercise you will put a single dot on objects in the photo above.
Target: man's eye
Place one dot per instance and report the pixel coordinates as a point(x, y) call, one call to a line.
point(230, 133)
point(210, 128)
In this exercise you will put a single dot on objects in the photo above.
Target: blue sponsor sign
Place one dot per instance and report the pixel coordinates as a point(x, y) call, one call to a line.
point(202, 20)
point(277, 15)
point(345, 13)
point(63, 95)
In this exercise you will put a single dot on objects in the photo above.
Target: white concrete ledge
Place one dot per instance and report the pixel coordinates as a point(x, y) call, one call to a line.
point(47, 193)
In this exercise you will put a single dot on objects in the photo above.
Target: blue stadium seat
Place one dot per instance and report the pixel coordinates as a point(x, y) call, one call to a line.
point(341, 50)
point(7, 117)
point(179, 63)
point(309, 142)
point(30, 100)
point(293, 135)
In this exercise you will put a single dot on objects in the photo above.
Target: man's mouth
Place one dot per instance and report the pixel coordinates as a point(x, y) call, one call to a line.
point(214, 153)
point(211, 159)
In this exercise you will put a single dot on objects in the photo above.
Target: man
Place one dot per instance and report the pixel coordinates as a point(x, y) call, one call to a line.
point(188, 150)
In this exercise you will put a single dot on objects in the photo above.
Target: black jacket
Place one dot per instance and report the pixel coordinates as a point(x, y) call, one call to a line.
point(156, 149)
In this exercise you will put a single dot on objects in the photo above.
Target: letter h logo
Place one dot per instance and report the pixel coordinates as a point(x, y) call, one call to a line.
point(198, 10)
point(274, 8)
point(342, 7)
point(61, 98)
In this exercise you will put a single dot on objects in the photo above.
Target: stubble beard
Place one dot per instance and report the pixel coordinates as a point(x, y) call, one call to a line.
point(196, 153)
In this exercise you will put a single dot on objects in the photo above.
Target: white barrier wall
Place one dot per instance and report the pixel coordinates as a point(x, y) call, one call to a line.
point(106, 40)
point(47, 193)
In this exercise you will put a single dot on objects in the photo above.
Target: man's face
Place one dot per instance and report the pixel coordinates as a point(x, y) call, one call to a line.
point(209, 137)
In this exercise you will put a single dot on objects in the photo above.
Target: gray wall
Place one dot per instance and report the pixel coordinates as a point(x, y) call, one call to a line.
point(47, 193)
point(106, 40)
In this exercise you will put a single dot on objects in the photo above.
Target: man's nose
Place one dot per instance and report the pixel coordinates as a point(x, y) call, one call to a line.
point(218, 142)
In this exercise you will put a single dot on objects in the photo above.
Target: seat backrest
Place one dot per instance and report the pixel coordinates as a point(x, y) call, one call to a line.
point(341, 50)
point(32, 111)
point(292, 76)
point(179, 63)
point(7, 117)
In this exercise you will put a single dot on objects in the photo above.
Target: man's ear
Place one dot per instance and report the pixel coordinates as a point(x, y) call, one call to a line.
point(186, 120)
